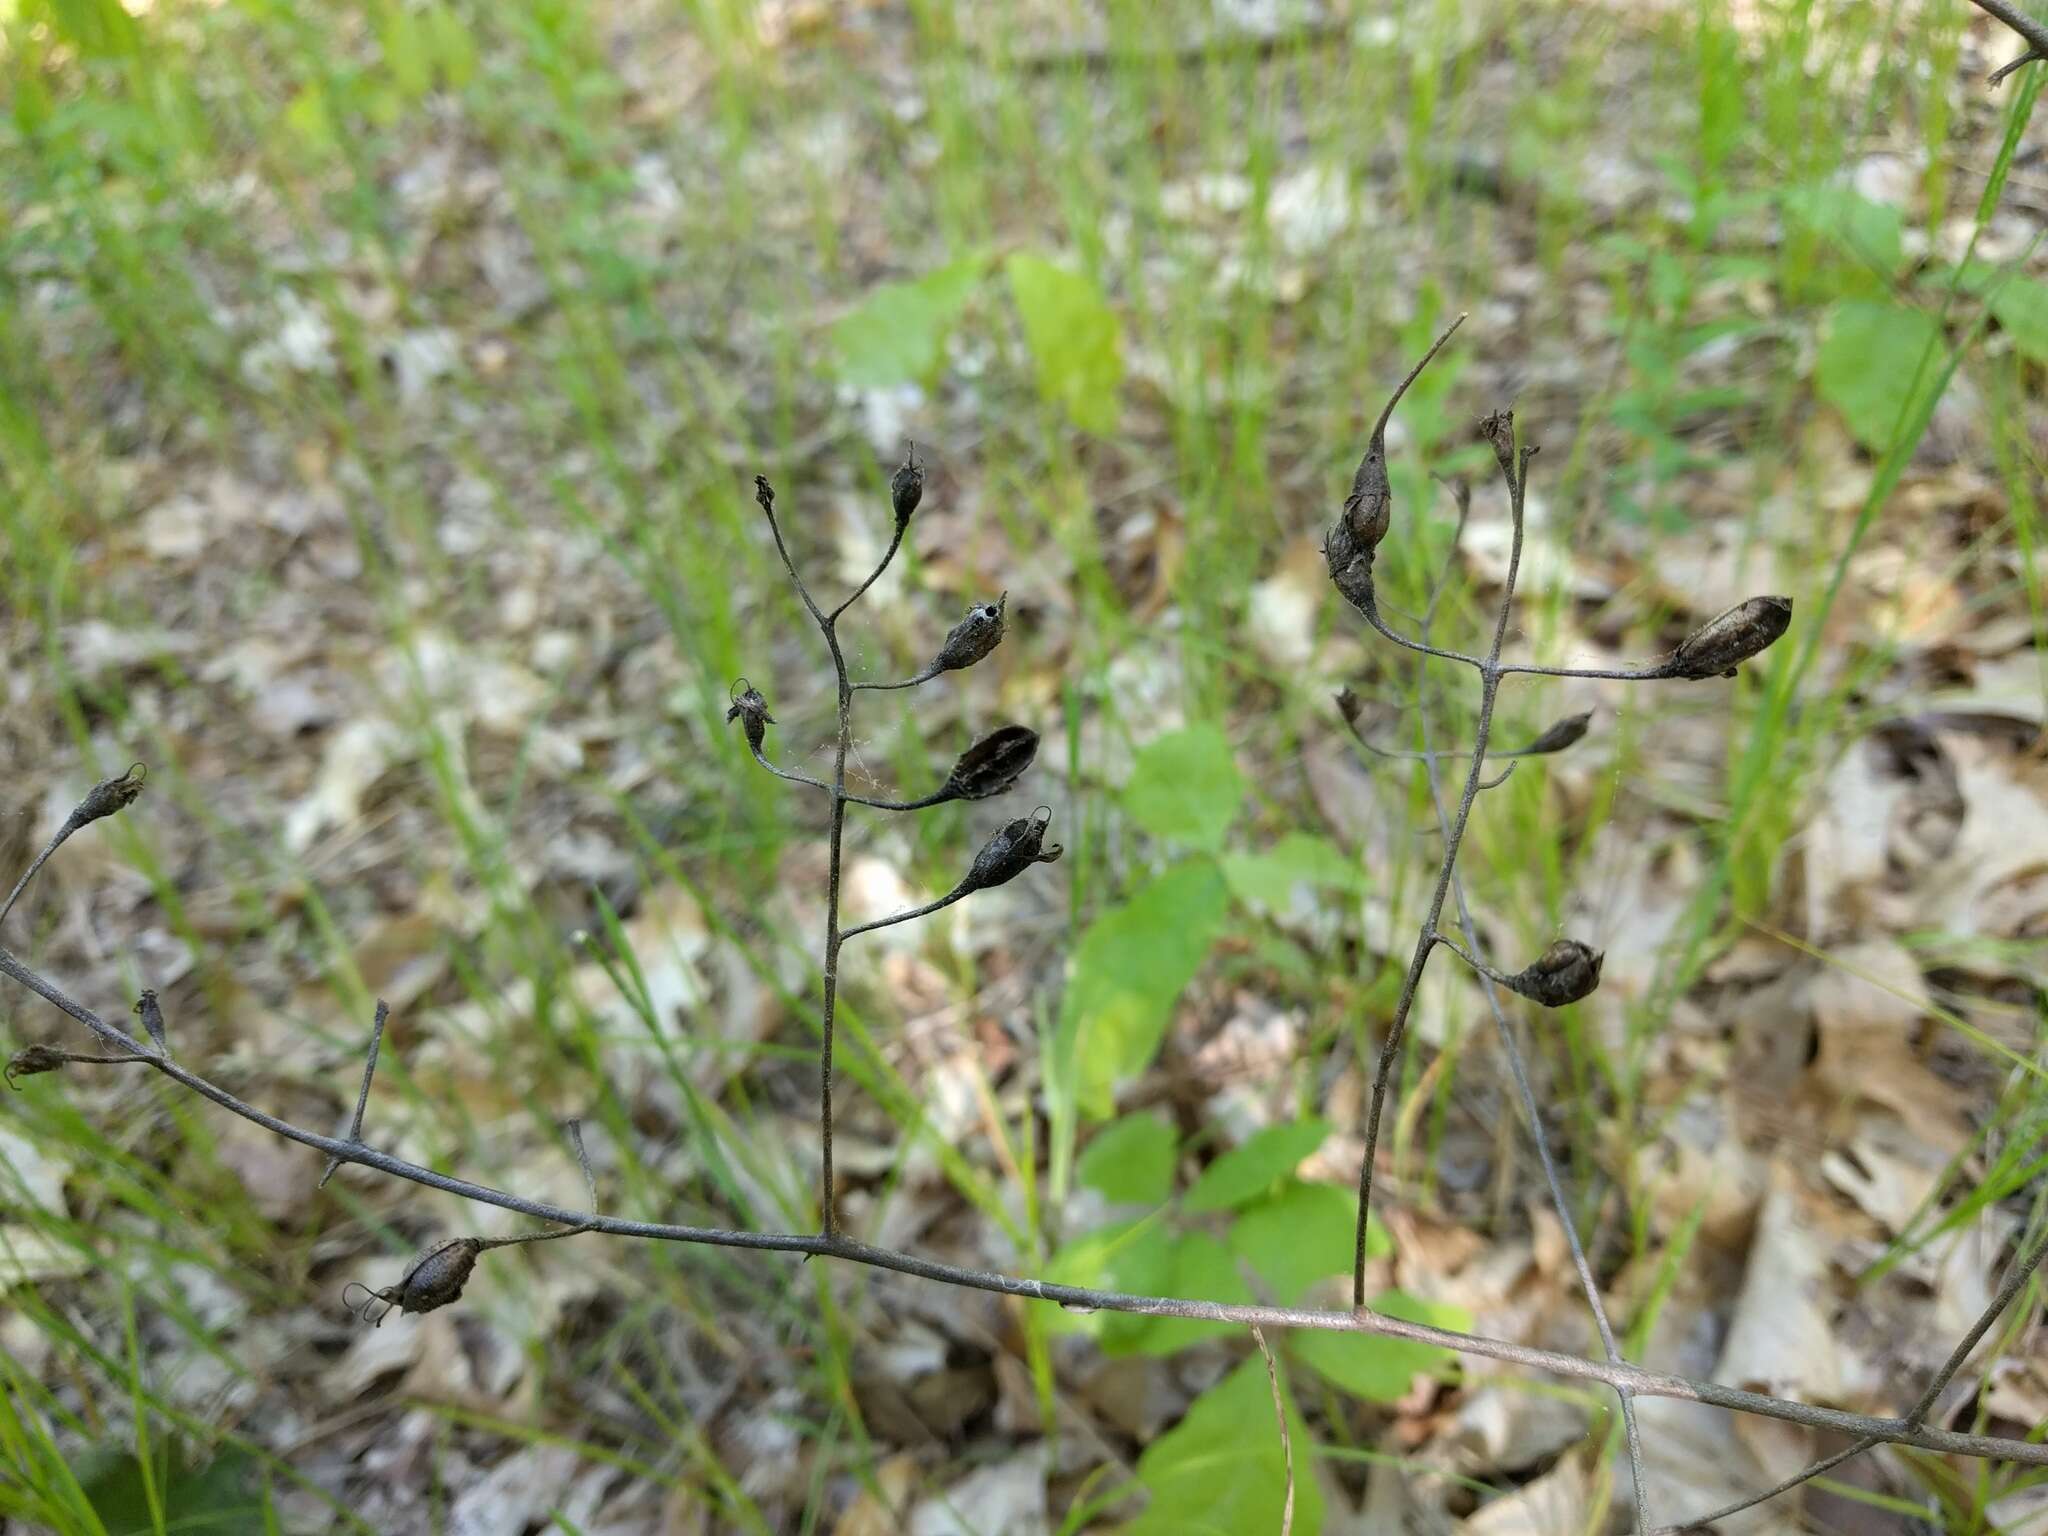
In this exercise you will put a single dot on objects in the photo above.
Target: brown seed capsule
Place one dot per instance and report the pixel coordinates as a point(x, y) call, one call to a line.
point(1558, 736)
point(1015, 847)
point(764, 493)
point(1369, 509)
point(435, 1279)
point(1497, 431)
point(1563, 973)
point(152, 1020)
point(1721, 644)
point(980, 632)
point(111, 795)
point(31, 1060)
point(1350, 706)
point(751, 710)
point(906, 486)
point(992, 764)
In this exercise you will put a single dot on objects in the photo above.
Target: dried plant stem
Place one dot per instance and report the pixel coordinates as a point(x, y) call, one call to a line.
point(1633, 1379)
point(355, 1125)
point(2017, 1281)
point(1286, 1439)
point(1516, 472)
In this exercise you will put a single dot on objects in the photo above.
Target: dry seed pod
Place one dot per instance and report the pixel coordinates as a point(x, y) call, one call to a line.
point(435, 1279)
point(1369, 509)
point(980, 632)
point(1563, 973)
point(1014, 849)
point(751, 710)
point(31, 1060)
point(1721, 644)
point(111, 795)
point(152, 1020)
point(992, 764)
point(1558, 736)
point(906, 486)
point(764, 493)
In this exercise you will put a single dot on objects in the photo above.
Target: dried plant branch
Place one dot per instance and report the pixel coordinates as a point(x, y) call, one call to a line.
point(2032, 32)
point(103, 799)
point(355, 1124)
point(1286, 1439)
point(2015, 1282)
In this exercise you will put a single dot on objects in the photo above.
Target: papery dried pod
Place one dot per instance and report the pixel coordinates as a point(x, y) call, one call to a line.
point(435, 1279)
point(1721, 644)
point(32, 1060)
point(751, 710)
point(992, 764)
point(1350, 706)
point(152, 1020)
point(1563, 973)
point(111, 795)
point(1016, 846)
point(1558, 736)
point(1497, 431)
point(980, 632)
point(764, 493)
point(1368, 511)
point(906, 486)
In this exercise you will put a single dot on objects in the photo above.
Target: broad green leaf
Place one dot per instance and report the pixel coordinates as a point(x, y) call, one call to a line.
point(1221, 1471)
point(1186, 786)
point(1269, 879)
point(1871, 234)
point(1869, 354)
point(1075, 340)
point(1370, 1366)
point(1300, 1234)
point(1133, 1256)
point(2022, 309)
point(1202, 1268)
point(1130, 968)
point(1244, 1173)
point(1131, 1161)
point(897, 334)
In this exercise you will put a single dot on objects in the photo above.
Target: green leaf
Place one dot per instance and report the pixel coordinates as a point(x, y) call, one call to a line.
point(1131, 1161)
point(897, 334)
point(2022, 309)
point(1133, 1256)
point(1204, 1268)
point(1221, 1471)
point(1301, 1234)
point(1130, 968)
point(1269, 879)
point(1871, 234)
point(1869, 354)
point(1376, 1368)
point(1247, 1172)
point(1186, 786)
point(1075, 340)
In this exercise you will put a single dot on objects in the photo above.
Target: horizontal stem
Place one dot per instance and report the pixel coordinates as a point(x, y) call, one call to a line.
point(959, 892)
point(785, 773)
point(925, 676)
point(1627, 1377)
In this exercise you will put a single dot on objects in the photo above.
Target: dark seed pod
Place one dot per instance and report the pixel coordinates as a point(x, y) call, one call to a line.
point(1563, 973)
point(1497, 431)
point(980, 632)
point(435, 1279)
point(1016, 846)
point(1557, 737)
point(1350, 706)
point(764, 493)
point(906, 486)
point(1369, 509)
point(111, 795)
point(1721, 644)
point(992, 764)
point(152, 1020)
point(751, 710)
point(31, 1060)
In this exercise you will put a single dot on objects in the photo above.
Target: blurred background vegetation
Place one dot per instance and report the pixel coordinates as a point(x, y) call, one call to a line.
point(381, 388)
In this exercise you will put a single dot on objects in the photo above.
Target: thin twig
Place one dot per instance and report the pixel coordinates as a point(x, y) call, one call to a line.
point(958, 893)
point(1642, 1383)
point(2032, 32)
point(103, 799)
point(1286, 1440)
point(355, 1125)
point(2015, 1282)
